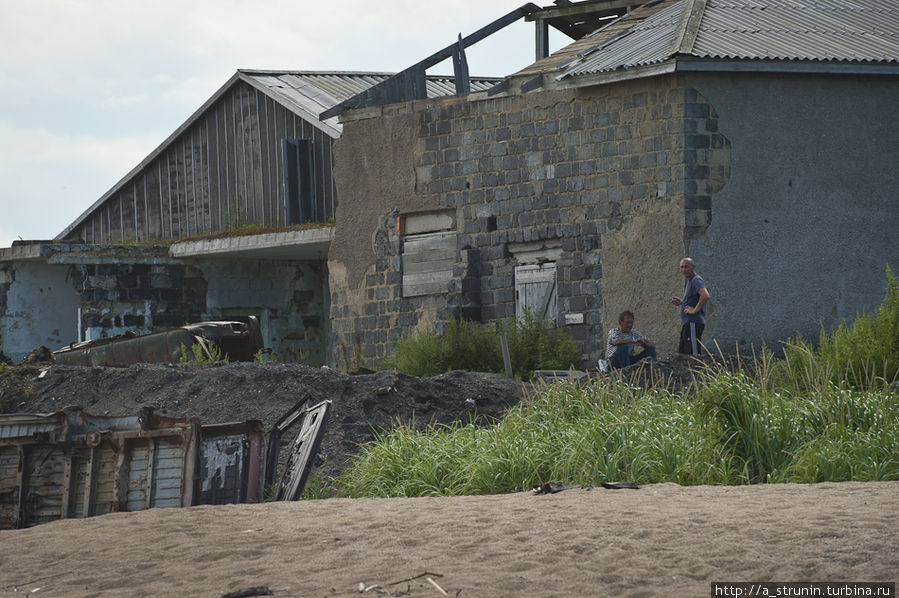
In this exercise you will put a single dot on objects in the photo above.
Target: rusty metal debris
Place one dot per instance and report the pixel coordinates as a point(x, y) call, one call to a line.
point(239, 340)
point(70, 464)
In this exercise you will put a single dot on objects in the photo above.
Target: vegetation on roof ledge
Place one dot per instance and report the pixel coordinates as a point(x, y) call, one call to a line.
point(255, 229)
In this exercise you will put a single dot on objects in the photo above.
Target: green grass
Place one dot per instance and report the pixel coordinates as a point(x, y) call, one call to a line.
point(464, 345)
point(731, 433)
point(199, 353)
point(860, 354)
point(819, 414)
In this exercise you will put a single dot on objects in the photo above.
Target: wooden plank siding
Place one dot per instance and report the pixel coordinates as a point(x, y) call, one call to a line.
point(223, 171)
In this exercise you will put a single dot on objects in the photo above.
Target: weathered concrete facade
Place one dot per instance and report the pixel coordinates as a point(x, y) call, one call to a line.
point(67, 292)
point(606, 183)
point(801, 233)
point(782, 187)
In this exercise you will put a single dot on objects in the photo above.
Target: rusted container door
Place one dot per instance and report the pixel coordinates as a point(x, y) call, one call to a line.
point(38, 483)
point(224, 472)
point(155, 473)
point(91, 482)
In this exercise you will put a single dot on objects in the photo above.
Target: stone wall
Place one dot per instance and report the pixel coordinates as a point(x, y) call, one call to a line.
point(609, 183)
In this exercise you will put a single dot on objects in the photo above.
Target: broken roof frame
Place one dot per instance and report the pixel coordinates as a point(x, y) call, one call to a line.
point(582, 19)
point(572, 19)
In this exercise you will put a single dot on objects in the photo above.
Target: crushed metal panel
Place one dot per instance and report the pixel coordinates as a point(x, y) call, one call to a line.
point(300, 461)
point(231, 463)
point(273, 441)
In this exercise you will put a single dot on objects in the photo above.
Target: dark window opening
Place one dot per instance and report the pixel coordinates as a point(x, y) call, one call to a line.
point(299, 181)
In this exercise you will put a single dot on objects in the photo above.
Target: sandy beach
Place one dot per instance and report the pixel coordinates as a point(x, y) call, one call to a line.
point(659, 540)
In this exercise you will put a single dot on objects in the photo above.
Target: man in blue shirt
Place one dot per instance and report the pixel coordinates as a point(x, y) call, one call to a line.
point(692, 309)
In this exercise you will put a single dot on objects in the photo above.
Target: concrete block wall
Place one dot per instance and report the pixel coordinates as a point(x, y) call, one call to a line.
point(572, 168)
point(116, 297)
point(289, 297)
point(6, 277)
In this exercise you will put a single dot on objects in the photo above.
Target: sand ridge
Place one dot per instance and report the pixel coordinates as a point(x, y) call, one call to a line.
point(659, 540)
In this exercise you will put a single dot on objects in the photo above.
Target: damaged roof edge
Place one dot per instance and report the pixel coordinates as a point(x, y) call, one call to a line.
point(692, 64)
point(380, 95)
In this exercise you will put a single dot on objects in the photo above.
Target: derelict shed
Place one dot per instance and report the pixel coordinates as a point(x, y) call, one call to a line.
point(757, 136)
point(255, 153)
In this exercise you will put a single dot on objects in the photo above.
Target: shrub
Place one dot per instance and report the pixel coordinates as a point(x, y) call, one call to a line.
point(863, 354)
point(465, 345)
point(538, 344)
point(202, 352)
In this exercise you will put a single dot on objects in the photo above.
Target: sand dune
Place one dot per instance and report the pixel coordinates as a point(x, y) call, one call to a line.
point(660, 540)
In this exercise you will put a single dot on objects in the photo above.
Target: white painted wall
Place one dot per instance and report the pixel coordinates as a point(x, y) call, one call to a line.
point(42, 309)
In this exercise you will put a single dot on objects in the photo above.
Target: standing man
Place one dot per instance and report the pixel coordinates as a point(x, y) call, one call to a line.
point(692, 308)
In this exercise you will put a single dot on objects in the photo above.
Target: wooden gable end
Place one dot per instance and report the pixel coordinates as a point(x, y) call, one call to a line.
point(224, 170)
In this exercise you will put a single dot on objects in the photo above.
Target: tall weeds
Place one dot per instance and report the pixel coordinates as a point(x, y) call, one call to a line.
point(826, 414)
point(464, 345)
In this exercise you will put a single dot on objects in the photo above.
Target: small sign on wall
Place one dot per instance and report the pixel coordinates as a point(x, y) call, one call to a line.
point(571, 319)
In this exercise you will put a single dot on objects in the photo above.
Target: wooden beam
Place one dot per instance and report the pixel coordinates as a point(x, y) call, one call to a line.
point(460, 69)
point(584, 9)
point(541, 41)
point(387, 91)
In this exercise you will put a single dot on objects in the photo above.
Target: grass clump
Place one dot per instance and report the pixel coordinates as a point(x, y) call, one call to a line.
point(465, 345)
point(733, 432)
point(858, 355)
point(567, 433)
point(202, 352)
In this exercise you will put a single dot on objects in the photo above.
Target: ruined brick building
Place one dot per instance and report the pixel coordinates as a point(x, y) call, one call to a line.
point(760, 138)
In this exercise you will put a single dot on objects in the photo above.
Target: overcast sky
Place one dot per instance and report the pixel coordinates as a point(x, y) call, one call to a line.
point(88, 88)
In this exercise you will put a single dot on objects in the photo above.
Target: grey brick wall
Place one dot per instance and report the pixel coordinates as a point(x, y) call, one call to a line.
point(568, 167)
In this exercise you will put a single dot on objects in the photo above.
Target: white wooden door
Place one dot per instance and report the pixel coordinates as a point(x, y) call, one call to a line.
point(535, 291)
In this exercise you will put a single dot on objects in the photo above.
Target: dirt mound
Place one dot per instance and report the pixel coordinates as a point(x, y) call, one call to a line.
point(361, 405)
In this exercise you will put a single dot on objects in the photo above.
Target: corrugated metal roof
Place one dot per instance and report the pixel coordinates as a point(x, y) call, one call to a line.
point(315, 92)
point(842, 30)
point(588, 44)
point(645, 43)
point(804, 30)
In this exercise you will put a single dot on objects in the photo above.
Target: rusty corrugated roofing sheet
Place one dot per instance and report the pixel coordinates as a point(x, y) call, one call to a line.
point(804, 30)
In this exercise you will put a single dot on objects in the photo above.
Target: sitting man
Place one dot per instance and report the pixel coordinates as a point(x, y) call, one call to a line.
point(626, 346)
